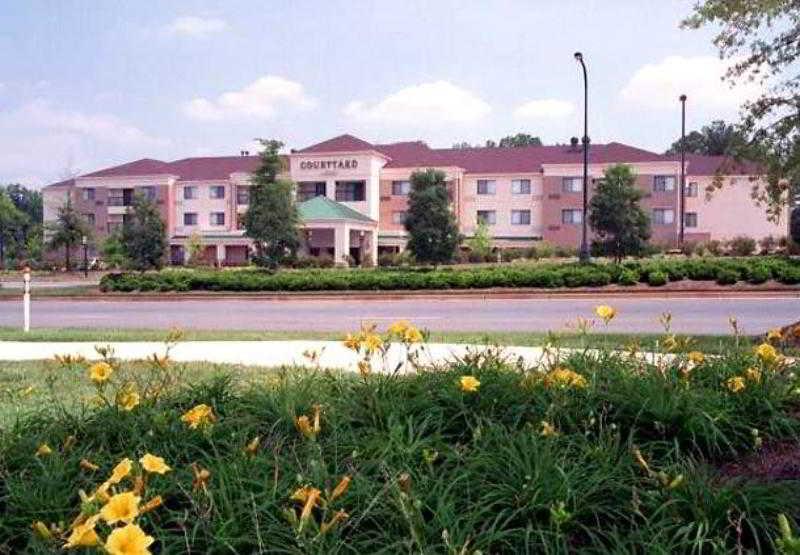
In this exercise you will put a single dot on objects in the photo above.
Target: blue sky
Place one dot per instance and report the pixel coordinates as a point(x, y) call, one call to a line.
point(86, 84)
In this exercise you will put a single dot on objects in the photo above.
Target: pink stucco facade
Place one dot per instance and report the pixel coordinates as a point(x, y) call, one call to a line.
point(525, 195)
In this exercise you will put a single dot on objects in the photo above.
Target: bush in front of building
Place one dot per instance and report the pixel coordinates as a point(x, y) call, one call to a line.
point(742, 246)
point(541, 275)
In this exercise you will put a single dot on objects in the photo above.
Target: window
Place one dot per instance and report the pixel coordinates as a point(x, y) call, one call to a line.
point(148, 192)
point(398, 218)
point(489, 217)
point(350, 191)
point(189, 218)
point(486, 187)
point(520, 217)
point(520, 186)
point(572, 216)
point(217, 218)
point(242, 195)
point(189, 192)
point(88, 193)
point(664, 183)
point(401, 188)
point(217, 191)
point(690, 219)
point(89, 219)
point(691, 189)
point(663, 216)
point(572, 185)
point(310, 189)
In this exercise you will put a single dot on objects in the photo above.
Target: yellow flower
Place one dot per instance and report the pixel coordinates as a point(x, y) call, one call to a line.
point(100, 372)
point(128, 540)
point(774, 335)
point(341, 488)
point(564, 377)
point(767, 353)
point(122, 507)
point(128, 399)
point(198, 416)
point(154, 503)
point(352, 342)
point(753, 374)
point(372, 342)
point(122, 470)
point(42, 530)
point(399, 328)
point(469, 384)
point(548, 430)
point(312, 499)
point(153, 464)
point(364, 368)
point(252, 447)
point(301, 495)
point(88, 465)
point(605, 312)
point(83, 535)
point(412, 335)
point(44, 450)
point(735, 384)
point(303, 425)
point(697, 357)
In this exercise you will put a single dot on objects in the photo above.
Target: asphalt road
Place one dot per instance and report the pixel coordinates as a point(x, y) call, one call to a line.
point(697, 315)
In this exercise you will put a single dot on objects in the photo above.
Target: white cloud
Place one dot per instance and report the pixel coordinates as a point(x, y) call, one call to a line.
point(658, 86)
point(261, 99)
point(439, 102)
point(547, 108)
point(195, 26)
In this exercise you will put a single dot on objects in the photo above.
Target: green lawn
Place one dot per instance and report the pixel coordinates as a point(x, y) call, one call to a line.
point(707, 343)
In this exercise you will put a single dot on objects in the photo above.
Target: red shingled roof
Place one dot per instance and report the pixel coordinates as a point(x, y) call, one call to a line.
point(145, 166)
point(213, 167)
point(700, 164)
point(342, 143)
point(65, 183)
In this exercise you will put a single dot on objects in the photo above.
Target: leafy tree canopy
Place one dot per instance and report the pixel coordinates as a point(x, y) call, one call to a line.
point(509, 141)
point(144, 235)
point(431, 224)
point(716, 139)
point(67, 230)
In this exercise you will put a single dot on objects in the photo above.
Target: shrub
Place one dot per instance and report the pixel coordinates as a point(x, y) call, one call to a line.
point(544, 249)
point(727, 276)
point(657, 278)
point(742, 246)
point(711, 247)
point(759, 274)
point(628, 277)
point(689, 247)
point(768, 244)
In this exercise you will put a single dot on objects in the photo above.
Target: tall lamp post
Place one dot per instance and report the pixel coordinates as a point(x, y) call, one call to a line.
point(682, 204)
point(85, 256)
point(584, 252)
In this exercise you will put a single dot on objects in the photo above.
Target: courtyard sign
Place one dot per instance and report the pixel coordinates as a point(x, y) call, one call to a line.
point(329, 164)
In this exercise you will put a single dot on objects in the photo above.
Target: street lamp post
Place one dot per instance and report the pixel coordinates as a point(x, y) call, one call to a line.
point(584, 251)
point(26, 299)
point(85, 256)
point(682, 204)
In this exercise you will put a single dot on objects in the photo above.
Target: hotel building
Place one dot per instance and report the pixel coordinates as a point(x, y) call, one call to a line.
point(352, 195)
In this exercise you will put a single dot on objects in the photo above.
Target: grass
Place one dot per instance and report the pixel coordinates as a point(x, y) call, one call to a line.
point(649, 342)
point(73, 291)
point(629, 461)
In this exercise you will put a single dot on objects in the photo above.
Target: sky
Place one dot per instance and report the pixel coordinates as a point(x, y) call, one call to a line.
point(87, 84)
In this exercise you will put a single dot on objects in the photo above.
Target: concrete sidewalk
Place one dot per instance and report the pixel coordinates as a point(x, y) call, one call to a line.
point(333, 354)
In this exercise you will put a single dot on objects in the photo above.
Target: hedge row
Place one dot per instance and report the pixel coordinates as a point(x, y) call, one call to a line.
point(653, 272)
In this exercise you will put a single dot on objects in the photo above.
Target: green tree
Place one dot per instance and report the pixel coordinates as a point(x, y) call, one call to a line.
point(621, 226)
point(716, 139)
point(760, 39)
point(144, 235)
point(25, 240)
point(67, 230)
point(431, 224)
point(481, 241)
point(113, 250)
point(10, 221)
point(194, 249)
point(519, 140)
point(272, 220)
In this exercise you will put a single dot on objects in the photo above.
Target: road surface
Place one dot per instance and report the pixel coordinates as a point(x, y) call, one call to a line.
point(694, 315)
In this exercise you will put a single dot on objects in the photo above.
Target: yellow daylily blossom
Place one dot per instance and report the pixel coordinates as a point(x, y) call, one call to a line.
point(399, 327)
point(736, 384)
point(412, 335)
point(469, 384)
point(122, 507)
point(128, 399)
point(84, 535)
point(548, 430)
point(198, 416)
point(301, 495)
point(303, 425)
point(697, 357)
point(154, 464)
point(364, 368)
point(767, 353)
point(605, 312)
point(43, 450)
point(312, 499)
point(564, 377)
point(100, 372)
point(753, 374)
point(352, 342)
point(372, 342)
point(121, 471)
point(341, 488)
point(128, 540)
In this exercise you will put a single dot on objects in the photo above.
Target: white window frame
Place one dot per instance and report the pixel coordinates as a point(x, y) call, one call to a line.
point(520, 186)
point(664, 220)
point(664, 183)
point(211, 219)
point(401, 188)
point(490, 219)
point(516, 217)
point(490, 186)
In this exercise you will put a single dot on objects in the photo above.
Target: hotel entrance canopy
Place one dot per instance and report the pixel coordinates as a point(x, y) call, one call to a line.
point(329, 224)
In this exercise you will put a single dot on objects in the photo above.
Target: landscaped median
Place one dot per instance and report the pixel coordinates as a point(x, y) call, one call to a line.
point(655, 272)
point(587, 451)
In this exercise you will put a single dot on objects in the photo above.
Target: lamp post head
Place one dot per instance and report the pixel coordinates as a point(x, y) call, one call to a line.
point(579, 56)
point(682, 98)
point(83, 240)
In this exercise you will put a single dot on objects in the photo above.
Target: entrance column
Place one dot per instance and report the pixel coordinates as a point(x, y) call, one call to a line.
point(220, 255)
point(341, 243)
point(373, 246)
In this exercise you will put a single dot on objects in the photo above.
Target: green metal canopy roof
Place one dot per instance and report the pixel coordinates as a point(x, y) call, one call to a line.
point(323, 208)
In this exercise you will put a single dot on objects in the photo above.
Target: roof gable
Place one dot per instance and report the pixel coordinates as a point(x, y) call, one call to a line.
point(342, 143)
point(323, 208)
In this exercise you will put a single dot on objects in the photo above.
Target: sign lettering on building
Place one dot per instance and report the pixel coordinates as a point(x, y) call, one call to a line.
point(329, 164)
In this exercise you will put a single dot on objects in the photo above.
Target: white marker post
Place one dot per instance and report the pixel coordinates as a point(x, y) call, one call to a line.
point(26, 300)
